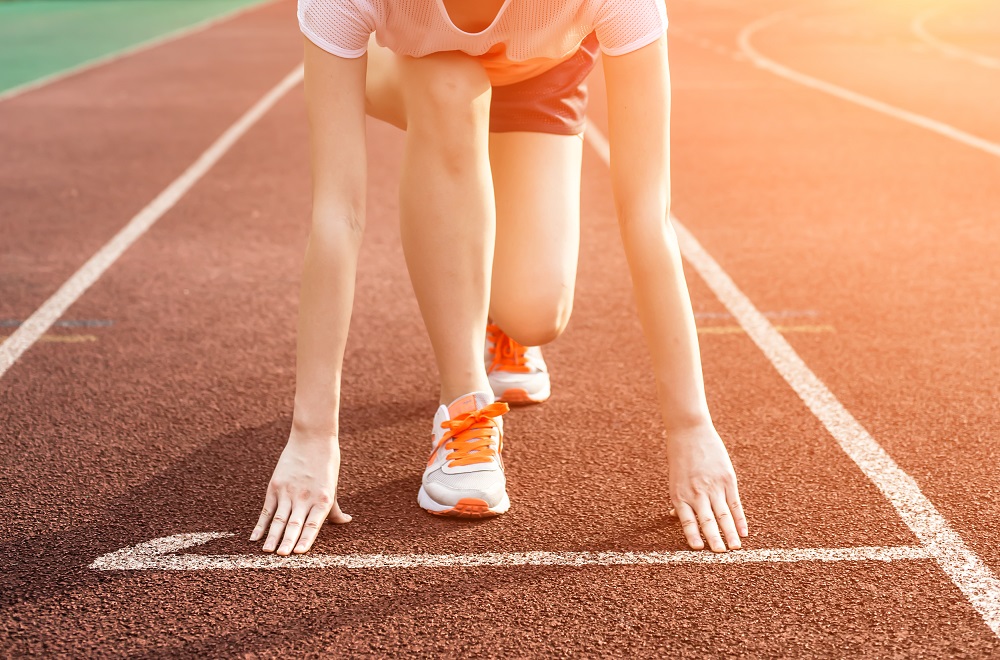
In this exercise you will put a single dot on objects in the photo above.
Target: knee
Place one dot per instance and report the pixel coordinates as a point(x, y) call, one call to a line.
point(534, 319)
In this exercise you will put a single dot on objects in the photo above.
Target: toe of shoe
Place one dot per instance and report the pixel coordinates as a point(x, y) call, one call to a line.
point(450, 497)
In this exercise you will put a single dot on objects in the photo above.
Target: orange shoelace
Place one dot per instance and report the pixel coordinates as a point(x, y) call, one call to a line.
point(508, 355)
point(469, 436)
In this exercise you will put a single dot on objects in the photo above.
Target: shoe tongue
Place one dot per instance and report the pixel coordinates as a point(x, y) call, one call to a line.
point(468, 403)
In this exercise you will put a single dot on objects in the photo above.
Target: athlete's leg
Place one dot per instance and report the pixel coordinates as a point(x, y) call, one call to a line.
point(536, 177)
point(383, 90)
point(447, 215)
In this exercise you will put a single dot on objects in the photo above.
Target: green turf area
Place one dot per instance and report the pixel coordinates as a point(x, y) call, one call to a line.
point(41, 37)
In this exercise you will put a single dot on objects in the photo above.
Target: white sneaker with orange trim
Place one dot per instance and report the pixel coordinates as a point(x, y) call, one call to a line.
point(464, 476)
point(517, 373)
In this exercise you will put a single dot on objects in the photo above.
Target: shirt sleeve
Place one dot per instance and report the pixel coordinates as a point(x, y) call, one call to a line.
point(626, 25)
point(340, 27)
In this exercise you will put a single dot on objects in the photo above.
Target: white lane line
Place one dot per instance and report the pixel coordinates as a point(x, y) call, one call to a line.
point(776, 314)
point(969, 573)
point(131, 50)
point(158, 555)
point(934, 125)
point(919, 28)
point(42, 319)
point(783, 329)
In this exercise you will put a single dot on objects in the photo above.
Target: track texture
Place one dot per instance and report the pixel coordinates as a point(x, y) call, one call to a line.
point(171, 420)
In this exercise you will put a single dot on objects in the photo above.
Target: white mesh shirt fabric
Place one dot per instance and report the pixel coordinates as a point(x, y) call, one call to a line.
point(626, 25)
point(529, 29)
point(341, 27)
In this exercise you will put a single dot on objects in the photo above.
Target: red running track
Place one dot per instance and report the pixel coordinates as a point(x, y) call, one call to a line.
point(871, 240)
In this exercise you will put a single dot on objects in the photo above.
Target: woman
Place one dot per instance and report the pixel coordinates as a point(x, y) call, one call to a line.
point(491, 96)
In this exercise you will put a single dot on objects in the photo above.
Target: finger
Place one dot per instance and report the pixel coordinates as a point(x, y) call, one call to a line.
point(689, 523)
point(294, 528)
point(270, 503)
point(725, 519)
point(733, 499)
point(706, 518)
point(314, 521)
point(338, 516)
point(278, 522)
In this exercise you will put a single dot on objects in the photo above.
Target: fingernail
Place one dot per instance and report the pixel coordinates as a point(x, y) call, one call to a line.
point(268, 548)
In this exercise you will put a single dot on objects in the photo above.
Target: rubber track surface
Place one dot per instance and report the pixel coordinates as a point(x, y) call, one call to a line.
point(172, 419)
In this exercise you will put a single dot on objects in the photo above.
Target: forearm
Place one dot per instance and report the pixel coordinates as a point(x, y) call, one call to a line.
point(335, 101)
point(664, 307)
point(326, 300)
point(639, 123)
point(302, 493)
point(702, 481)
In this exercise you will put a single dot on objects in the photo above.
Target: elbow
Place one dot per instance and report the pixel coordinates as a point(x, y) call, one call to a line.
point(646, 222)
point(650, 243)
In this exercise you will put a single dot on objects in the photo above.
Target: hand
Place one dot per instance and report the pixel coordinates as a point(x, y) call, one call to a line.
point(302, 494)
point(703, 489)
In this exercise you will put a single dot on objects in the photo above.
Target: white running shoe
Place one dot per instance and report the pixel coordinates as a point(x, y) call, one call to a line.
point(464, 476)
point(517, 373)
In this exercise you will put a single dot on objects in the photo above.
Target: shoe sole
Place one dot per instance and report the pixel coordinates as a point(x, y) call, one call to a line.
point(470, 508)
point(520, 397)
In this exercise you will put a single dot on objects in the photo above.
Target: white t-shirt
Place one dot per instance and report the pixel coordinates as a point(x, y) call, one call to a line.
point(526, 38)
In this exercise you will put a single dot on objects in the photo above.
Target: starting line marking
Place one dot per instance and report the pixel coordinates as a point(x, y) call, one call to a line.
point(159, 555)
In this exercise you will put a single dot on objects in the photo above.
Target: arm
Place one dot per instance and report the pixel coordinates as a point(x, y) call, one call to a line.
point(702, 481)
point(302, 491)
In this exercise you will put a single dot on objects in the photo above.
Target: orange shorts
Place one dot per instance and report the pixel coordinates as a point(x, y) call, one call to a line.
point(552, 102)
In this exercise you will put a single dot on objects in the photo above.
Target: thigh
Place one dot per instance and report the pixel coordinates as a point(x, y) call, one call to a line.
point(536, 178)
point(383, 91)
point(397, 85)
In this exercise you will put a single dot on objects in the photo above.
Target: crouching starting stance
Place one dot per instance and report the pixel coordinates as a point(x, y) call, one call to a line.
point(492, 96)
